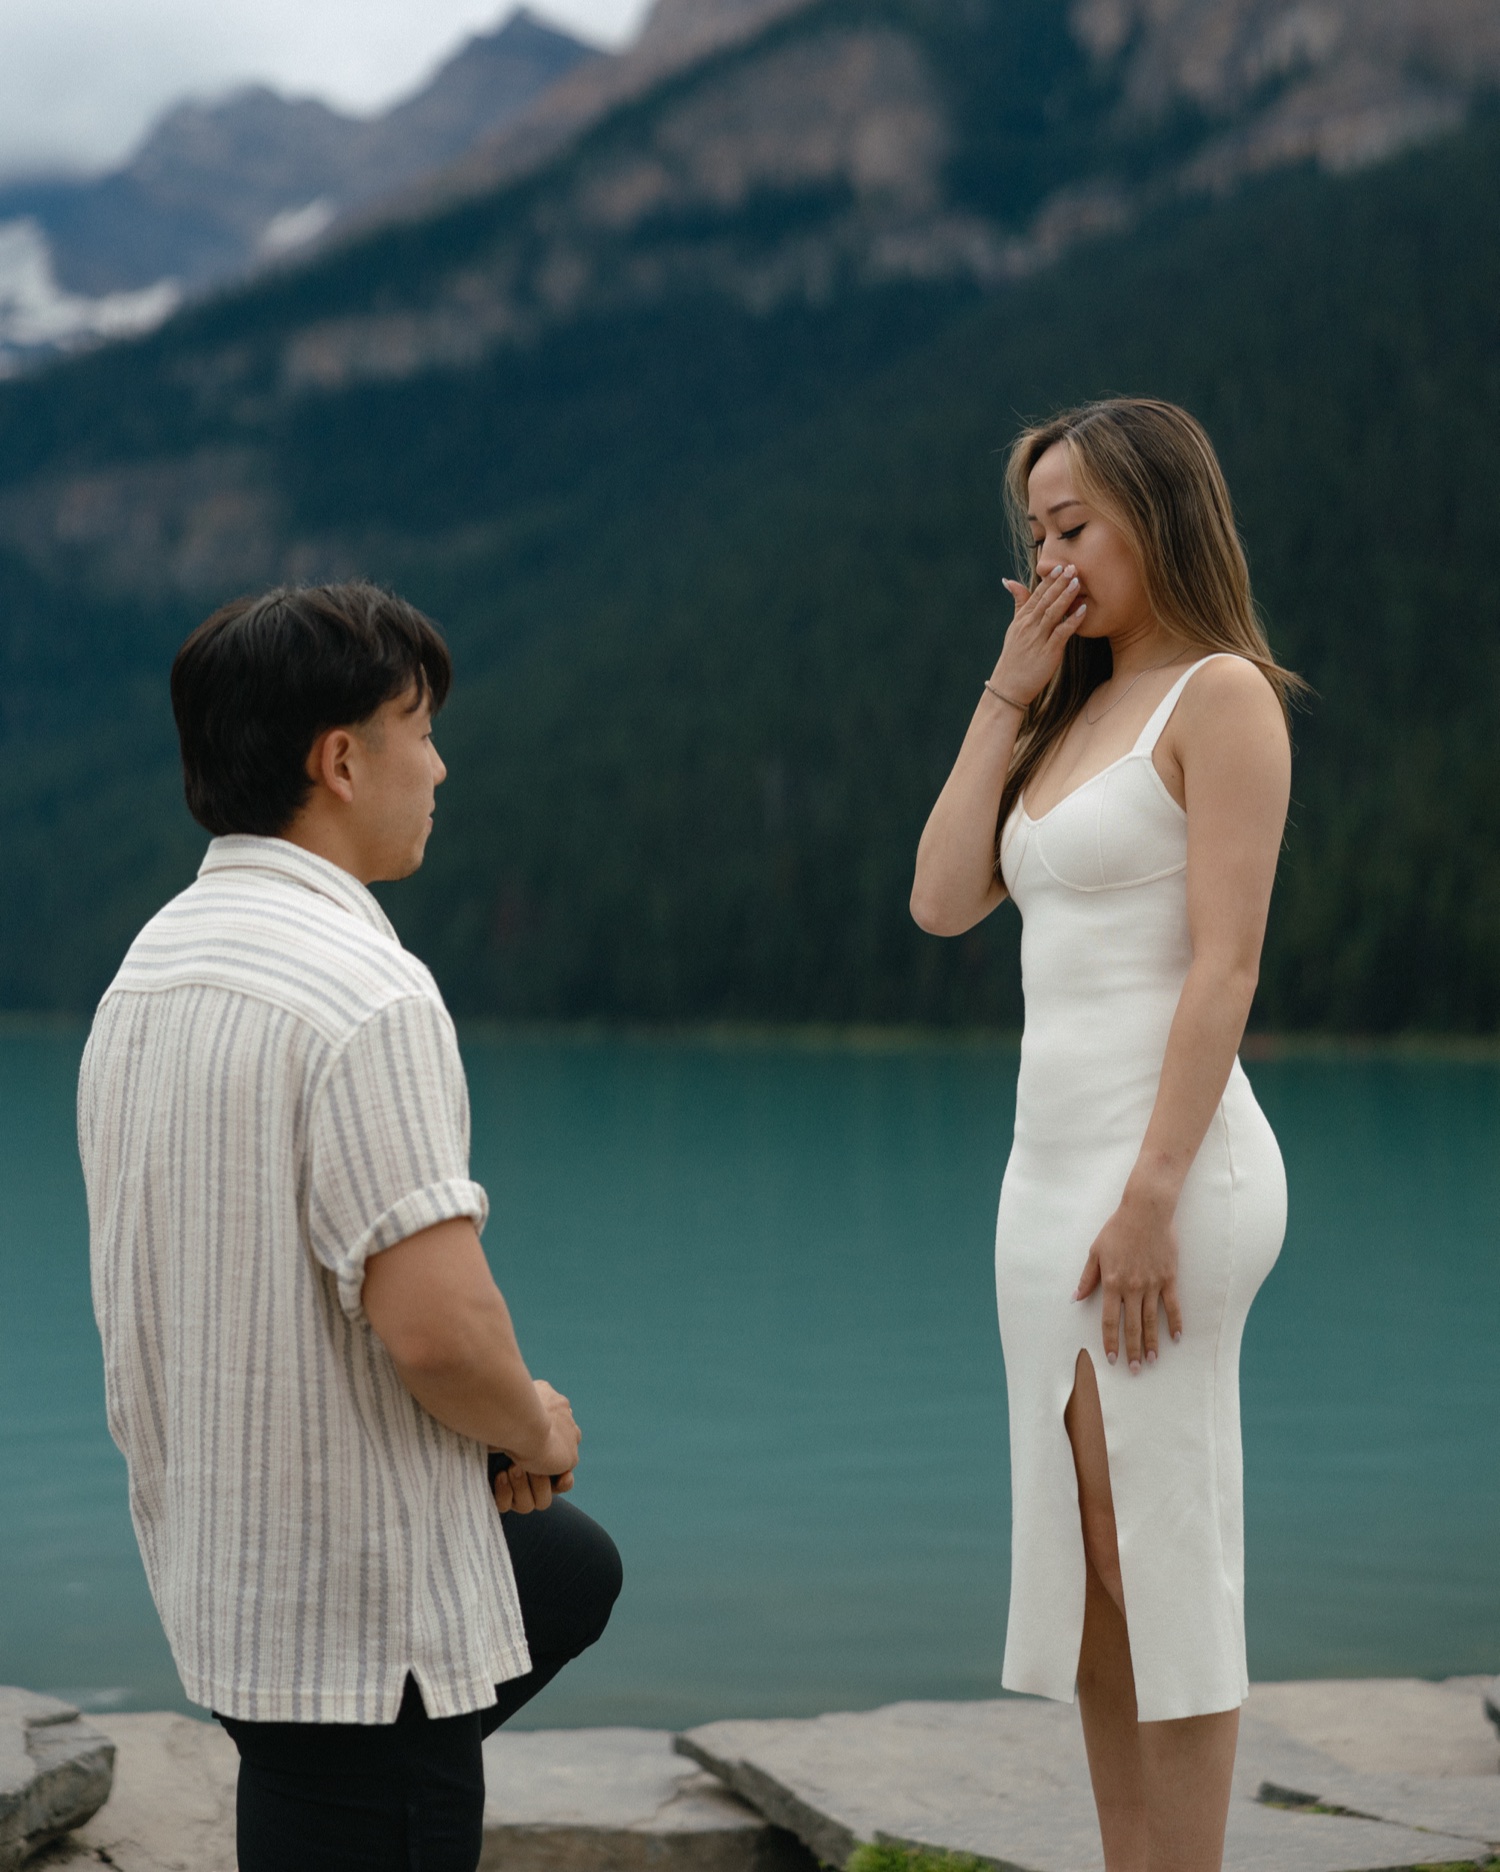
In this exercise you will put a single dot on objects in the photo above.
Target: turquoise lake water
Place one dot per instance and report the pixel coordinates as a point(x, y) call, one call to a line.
point(764, 1275)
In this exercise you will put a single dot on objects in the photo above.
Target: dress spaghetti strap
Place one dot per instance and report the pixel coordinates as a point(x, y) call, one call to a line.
point(1147, 739)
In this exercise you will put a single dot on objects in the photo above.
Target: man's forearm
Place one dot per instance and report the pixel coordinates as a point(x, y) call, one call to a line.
point(487, 1394)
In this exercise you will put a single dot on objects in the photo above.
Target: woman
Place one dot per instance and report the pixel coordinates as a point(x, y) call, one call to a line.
point(1125, 780)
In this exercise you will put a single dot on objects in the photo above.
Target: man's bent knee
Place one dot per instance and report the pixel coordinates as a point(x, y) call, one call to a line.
point(568, 1576)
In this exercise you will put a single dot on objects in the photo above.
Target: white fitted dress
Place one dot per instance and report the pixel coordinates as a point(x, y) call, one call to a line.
point(1101, 885)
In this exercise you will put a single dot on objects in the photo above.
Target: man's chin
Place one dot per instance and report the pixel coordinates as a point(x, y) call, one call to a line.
point(405, 866)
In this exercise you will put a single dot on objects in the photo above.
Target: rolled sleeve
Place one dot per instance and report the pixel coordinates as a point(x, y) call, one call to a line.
point(389, 1142)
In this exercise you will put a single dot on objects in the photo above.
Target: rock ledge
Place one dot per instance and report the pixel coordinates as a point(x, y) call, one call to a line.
point(55, 1772)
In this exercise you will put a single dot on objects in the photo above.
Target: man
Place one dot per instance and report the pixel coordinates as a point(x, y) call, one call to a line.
point(306, 1356)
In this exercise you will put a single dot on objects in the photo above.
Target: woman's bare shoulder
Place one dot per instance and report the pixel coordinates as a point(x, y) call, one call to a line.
point(1230, 689)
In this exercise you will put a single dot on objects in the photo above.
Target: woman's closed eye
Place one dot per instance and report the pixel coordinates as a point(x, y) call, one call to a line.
point(1073, 532)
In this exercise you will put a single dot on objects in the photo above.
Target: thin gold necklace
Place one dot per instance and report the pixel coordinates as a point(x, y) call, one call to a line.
point(1093, 720)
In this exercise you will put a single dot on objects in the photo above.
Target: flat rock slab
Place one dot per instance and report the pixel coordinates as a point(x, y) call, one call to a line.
point(55, 1771)
point(1274, 1768)
point(1387, 1725)
point(619, 1800)
point(1008, 1782)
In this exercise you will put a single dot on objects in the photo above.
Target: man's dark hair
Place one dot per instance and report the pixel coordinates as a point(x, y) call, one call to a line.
point(259, 681)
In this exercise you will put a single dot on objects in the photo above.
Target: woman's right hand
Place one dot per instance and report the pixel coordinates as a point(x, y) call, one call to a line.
point(1044, 621)
point(955, 883)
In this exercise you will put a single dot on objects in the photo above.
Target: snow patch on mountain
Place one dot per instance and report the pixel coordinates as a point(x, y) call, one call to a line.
point(37, 314)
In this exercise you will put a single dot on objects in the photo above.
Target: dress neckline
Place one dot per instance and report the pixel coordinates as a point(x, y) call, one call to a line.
point(1157, 720)
point(1130, 753)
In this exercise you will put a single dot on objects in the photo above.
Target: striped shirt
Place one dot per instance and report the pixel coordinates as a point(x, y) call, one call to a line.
point(271, 1094)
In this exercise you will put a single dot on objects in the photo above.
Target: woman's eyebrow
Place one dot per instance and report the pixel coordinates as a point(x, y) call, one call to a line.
point(1056, 507)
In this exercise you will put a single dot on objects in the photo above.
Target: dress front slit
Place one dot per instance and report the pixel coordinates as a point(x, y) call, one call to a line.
point(1100, 882)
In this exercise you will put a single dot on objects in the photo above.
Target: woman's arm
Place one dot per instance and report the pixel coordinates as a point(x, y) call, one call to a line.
point(955, 886)
point(1229, 739)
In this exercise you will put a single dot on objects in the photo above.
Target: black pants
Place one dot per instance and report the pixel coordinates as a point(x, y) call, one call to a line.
point(408, 1796)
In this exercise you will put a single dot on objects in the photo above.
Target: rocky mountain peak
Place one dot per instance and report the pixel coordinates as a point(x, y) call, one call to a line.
point(488, 82)
point(250, 155)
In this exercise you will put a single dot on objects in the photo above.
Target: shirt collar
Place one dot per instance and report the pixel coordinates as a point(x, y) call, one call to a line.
point(243, 851)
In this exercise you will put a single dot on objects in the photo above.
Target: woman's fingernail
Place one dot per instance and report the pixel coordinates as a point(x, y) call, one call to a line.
point(1177, 1337)
point(1135, 1366)
point(1151, 1356)
point(1111, 1356)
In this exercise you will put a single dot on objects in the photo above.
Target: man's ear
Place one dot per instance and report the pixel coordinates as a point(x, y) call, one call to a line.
point(328, 763)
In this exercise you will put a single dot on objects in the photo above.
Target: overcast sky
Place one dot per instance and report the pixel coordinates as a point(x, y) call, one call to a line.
point(81, 79)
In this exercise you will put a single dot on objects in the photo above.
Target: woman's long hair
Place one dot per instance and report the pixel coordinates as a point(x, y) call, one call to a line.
point(1151, 469)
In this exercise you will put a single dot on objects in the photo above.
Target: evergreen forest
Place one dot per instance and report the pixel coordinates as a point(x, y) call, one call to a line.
point(722, 587)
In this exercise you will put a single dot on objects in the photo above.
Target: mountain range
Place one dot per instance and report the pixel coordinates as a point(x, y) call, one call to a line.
point(218, 189)
point(681, 400)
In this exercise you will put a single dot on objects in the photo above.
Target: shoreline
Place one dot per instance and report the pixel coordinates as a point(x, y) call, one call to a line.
point(854, 1037)
point(104, 1710)
point(861, 1037)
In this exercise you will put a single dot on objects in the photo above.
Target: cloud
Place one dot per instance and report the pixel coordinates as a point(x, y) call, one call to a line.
point(80, 80)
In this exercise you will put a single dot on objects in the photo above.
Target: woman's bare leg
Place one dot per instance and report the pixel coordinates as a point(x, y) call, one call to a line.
point(1161, 1788)
point(1189, 1765)
point(1106, 1682)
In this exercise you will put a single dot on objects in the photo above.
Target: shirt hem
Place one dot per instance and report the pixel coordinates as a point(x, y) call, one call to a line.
point(364, 1708)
